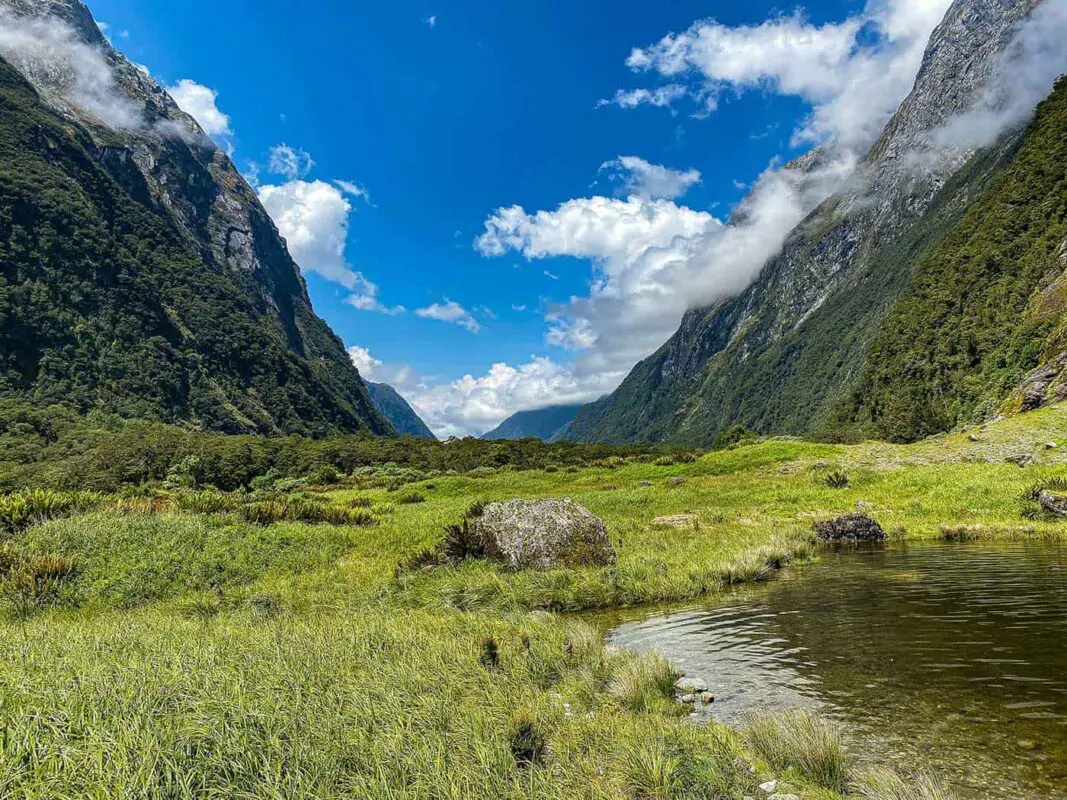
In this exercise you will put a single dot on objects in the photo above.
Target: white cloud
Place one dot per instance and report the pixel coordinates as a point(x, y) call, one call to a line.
point(313, 217)
point(660, 97)
point(652, 259)
point(201, 103)
point(853, 73)
point(431, 20)
point(50, 54)
point(366, 299)
point(401, 377)
point(450, 311)
point(289, 162)
point(472, 405)
point(353, 189)
point(651, 181)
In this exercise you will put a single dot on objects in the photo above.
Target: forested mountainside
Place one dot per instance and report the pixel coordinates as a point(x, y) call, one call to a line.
point(141, 276)
point(984, 308)
point(548, 424)
point(392, 405)
point(784, 356)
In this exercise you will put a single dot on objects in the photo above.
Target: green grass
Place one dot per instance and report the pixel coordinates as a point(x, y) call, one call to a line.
point(190, 653)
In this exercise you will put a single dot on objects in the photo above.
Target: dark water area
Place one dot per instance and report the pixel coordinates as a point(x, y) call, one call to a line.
point(944, 657)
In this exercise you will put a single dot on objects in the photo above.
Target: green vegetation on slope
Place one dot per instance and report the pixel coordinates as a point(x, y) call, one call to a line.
point(167, 652)
point(981, 308)
point(105, 304)
point(704, 381)
point(547, 424)
point(398, 411)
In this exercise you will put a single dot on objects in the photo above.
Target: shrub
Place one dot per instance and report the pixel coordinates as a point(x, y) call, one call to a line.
point(185, 474)
point(325, 475)
point(490, 654)
point(552, 468)
point(360, 502)
point(664, 461)
point(802, 741)
point(837, 480)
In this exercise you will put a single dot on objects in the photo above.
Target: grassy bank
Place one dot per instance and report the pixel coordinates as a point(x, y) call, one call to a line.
point(177, 644)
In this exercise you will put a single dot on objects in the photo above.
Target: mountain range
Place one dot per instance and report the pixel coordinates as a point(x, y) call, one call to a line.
point(918, 296)
point(142, 276)
point(549, 424)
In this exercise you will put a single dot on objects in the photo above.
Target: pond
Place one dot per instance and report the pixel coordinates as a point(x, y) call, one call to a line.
point(946, 657)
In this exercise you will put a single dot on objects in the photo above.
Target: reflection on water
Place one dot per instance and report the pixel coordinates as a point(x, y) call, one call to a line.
point(949, 657)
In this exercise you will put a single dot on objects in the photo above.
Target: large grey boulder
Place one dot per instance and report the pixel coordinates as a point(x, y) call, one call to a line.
point(542, 534)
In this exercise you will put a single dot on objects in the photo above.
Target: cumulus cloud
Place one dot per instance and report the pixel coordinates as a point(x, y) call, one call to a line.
point(201, 103)
point(290, 162)
point(472, 405)
point(50, 54)
point(450, 311)
point(651, 181)
point(313, 216)
point(652, 259)
point(401, 377)
point(853, 73)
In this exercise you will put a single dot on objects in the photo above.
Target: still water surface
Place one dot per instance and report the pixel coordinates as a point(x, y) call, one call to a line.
point(951, 657)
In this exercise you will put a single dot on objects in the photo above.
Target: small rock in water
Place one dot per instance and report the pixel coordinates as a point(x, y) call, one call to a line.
point(769, 787)
point(691, 685)
point(707, 698)
point(686, 698)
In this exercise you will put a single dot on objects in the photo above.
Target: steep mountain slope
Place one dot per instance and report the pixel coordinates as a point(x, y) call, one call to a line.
point(782, 355)
point(141, 275)
point(391, 404)
point(547, 424)
point(985, 307)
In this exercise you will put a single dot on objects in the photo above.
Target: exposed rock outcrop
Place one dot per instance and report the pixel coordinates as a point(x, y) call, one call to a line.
point(543, 534)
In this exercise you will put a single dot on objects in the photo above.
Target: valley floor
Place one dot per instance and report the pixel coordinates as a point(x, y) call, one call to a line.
point(201, 655)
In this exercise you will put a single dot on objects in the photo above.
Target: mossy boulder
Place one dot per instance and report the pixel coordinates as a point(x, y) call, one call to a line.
point(544, 534)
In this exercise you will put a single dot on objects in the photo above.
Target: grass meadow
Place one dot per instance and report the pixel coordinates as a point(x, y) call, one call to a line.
point(178, 644)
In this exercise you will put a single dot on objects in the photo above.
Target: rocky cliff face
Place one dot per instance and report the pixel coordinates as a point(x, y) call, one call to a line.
point(781, 355)
point(159, 159)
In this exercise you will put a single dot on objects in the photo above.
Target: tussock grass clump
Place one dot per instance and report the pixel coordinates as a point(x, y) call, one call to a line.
point(527, 742)
point(837, 480)
point(20, 510)
point(269, 512)
point(32, 583)
point(887, 785)
point(644, 683)
point(410, 498)
point(803, 741)
point(204, 502)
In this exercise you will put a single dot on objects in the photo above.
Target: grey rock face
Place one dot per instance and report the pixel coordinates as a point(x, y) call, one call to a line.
point(798, 328)
point(542, 534)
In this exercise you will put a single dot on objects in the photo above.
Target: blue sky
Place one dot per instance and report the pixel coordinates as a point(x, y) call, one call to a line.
point(445, 112)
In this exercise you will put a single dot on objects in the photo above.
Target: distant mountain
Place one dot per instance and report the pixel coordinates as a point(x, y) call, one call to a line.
point(398, 411)
point(905, 303)
point(141, 275)
point(548, 424)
